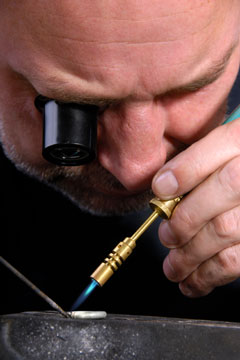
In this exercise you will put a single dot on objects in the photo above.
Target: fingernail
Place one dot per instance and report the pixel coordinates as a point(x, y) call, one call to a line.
point(166, 184)
point(186, 290)
point(166, 235)
point(168, 269)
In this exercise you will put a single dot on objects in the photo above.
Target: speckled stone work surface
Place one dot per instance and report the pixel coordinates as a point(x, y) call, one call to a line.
point(48, 336)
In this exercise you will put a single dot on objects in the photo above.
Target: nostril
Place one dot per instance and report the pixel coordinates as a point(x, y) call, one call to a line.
point(134, 175)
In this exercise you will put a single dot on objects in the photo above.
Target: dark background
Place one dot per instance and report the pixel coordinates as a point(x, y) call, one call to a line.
point(57, 247)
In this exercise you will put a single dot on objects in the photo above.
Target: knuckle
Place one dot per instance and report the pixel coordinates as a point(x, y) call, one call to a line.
point(198, 283)
point(183, 220)
point(228, 260)
point(178, 264)
point(229, 177)
point(226, 225)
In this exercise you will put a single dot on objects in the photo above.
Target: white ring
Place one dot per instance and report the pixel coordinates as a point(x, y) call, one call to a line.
point(87, 314)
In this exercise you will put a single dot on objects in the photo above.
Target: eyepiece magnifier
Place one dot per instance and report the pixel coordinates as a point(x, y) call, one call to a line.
point(69, 131)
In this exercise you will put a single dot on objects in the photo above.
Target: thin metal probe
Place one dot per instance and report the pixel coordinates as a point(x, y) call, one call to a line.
point(34, 287)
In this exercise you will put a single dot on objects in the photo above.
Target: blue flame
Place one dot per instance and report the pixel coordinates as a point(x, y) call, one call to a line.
point(85, 294)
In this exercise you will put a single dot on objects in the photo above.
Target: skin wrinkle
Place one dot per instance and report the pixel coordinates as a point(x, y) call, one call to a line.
point(193, 256)
point(184, 88)
point(135, 20)
point(132, 43)
point(111, 33)
point(219, 66)
point(123, 9)
point(116, 42)
point(192, 87)
point(90, 66)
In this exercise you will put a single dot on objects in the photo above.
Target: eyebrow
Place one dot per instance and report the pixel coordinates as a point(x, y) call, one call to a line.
point(212, 74)
point(88, 100)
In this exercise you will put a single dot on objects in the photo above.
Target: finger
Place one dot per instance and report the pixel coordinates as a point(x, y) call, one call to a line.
point(221, 233)
point(220, 270)
point(218, 194)
point(189, 168)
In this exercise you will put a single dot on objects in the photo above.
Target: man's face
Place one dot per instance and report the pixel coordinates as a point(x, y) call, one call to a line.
point(160, 72)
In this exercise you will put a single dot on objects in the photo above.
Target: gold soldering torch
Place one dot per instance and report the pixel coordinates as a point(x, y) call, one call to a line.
point(161, 208)
point(121, 252)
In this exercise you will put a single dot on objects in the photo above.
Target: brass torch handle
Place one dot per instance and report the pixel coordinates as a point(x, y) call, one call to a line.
point(120, 253)
point(114, 260)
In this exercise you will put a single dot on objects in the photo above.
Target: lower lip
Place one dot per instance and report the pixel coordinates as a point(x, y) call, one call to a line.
point(115, 192)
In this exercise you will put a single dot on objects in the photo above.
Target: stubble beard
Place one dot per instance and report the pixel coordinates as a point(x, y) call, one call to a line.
point(90, 187)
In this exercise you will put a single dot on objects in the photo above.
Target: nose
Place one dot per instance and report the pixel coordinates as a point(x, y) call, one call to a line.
point(130, 144)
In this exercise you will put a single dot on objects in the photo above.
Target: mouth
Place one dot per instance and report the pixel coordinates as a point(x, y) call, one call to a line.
point(93, 178)
point(114, 191)
point(92, 188)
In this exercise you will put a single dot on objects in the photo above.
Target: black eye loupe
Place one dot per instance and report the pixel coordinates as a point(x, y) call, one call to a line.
point(69, 131)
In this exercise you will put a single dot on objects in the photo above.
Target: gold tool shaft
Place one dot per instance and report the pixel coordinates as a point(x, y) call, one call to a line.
point(145, 225)
point(120, 253)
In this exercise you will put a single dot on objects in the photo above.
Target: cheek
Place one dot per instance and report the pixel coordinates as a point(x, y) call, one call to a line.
point(191, 117)
point(20, 122)
point(21, 133)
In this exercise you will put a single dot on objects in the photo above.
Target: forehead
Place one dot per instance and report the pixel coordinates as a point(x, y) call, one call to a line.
point(126, 46)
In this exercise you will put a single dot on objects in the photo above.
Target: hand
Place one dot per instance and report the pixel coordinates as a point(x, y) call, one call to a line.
point(204, 231)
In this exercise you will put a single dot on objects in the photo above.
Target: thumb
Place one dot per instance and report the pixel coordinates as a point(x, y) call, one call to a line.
point(189, 168)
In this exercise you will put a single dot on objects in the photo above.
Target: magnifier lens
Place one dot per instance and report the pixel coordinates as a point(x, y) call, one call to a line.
point(69, 131)
point(70, 153)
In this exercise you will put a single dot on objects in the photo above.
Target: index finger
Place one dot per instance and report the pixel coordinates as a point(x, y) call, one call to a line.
point(189, 168)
